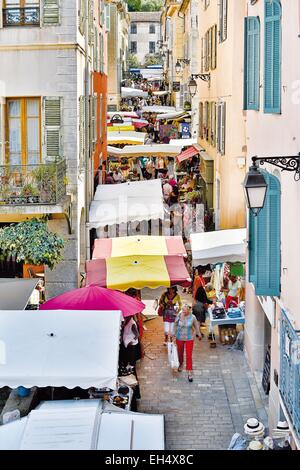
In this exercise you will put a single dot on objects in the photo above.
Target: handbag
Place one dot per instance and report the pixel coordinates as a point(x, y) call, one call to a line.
point(160, 311)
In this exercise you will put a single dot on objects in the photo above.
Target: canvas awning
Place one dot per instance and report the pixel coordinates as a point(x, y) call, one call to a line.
point(183, 142)
point(126, 202)
point(158, 109)
point(160, 93)
point(59, 348)
point(133, 93)
point(138, 245)
point(218, 247)
point(128, 137)
point(83, 425)
point(188, 153)
point(138, 272)
point(160, 150)
point(123, 114)
point(15, 293)
point(176, 115)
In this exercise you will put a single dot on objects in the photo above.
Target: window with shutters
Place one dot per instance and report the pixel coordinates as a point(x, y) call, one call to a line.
point(52, 127)
point(151, 47)
point(23, 131)
point(264, 242)
point(133, 47)
point(21, 13)
point(96, 55)
point(107, 17)
point(101, 118)
point(221, 127)
point(93, 121)
point(101, 54)
point(212, 138)
point(202, 55)
point(252, 63)
point(206, 120)
point(214, 47)
point(223, 9)
point(91, 36)
point(152, 29)
point(272, 65)
point(82, 13)
point(50, 12)
point(133, 28)
point(201, 120)
point(81, 130)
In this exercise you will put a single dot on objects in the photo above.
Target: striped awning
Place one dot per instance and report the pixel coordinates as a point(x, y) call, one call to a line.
point(138, 245)
point(124, 272)
point(188, 153)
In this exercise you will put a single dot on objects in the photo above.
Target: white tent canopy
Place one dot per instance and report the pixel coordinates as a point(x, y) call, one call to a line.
point(59, 348)
point(175, 115)
point(159, 109)
point(133, 93)
point(83, 425)
point(183, 142)
point(218, 247)
point(145, 150)
point(126, 202)
point(15, 293)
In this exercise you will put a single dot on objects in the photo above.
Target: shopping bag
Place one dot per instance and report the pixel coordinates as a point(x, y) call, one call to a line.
point(173, 356)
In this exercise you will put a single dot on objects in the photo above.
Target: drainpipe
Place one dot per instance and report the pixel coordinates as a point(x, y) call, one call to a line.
point(87, 128)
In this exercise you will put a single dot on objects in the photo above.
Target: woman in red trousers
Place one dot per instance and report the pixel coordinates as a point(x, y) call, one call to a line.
point(187, 328)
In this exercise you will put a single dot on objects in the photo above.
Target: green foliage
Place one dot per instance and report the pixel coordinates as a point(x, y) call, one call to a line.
point(32, 243)
point(145, 5)
point(152, 59)
point(133, 62)
point(134, 5)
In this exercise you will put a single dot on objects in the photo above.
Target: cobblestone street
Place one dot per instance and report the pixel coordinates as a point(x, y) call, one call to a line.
point(206, 413)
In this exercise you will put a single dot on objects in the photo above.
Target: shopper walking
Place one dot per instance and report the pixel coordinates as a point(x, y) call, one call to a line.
point(169, 305)
point(187, 328)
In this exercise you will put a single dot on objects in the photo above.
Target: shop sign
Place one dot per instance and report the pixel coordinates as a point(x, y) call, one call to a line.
point(176, 86)
point(185, 130)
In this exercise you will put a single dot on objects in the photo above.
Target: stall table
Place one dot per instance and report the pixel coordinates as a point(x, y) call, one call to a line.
point(223, 321)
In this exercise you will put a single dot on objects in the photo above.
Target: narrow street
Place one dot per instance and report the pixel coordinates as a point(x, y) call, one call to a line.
point(206, 413)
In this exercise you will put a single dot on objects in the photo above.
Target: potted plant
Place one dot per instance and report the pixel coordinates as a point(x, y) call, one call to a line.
point(32, 243)
point(45, 177)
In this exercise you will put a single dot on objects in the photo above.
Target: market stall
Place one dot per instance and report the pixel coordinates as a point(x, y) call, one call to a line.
point(138, 245)
point(160, 150)
point(137, 272)
point(133, 93)
point(219, 258)
point(126, 202)
point(125, 138)
point(15, 294)
point(58, 349)
point(83, 425)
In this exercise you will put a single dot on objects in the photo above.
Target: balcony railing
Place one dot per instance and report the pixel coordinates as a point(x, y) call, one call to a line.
point(32, 184)
point(289, 384)
point(29, 16)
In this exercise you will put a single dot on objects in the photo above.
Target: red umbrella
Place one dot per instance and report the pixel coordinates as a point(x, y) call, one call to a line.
point(95, 298)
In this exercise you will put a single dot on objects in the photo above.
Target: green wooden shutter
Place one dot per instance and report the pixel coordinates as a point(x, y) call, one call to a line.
point(52, 127)
point(252, 63)
point(267, 262)
point(96, 51)
point(51, 12)
point(82, 13)
point(91, 37)
point(214, 47)
point(223, 14)
point(272, 75)
point(201, 120)
point(81, 130)
point(101, 118)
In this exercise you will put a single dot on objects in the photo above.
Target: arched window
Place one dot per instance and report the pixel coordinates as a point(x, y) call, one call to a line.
point(272, 75)
point(264, 242)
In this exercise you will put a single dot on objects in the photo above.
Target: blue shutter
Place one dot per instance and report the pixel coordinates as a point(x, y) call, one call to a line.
point(272, 78)
point(252, 63)
point(264, 253)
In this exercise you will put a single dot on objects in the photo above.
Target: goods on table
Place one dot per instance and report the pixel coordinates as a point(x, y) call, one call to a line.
point(227, 334)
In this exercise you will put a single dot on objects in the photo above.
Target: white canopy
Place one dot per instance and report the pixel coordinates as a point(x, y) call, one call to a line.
point(145, 150)
point(219, 247)
point(123, 114)
point(126, 202)
point(183, 142)
point(59, 348)
point(160, 93)
point(175, 115)
point(158, 109)
point(83, 425)
point(15, 293)
point(133, 92)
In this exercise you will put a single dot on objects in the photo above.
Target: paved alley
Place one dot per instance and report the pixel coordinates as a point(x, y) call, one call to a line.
point(206, 413)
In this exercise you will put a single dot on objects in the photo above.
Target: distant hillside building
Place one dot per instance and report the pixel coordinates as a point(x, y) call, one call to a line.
point(144, 33)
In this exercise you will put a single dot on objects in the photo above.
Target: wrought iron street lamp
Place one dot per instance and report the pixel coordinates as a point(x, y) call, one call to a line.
point(178, 65)
point(193, 84)
point(255, 185)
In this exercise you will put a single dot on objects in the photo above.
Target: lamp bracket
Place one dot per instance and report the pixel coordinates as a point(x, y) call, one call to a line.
point(184, 61)
point(203, 76)
point(288, 163)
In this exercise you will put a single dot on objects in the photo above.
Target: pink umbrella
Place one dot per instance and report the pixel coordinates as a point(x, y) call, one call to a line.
point(95, 298)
